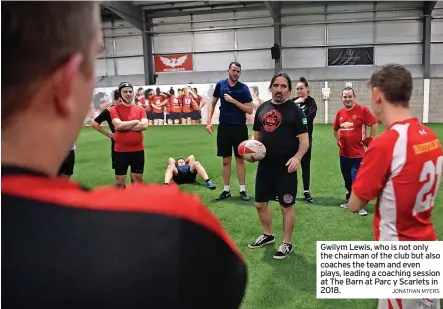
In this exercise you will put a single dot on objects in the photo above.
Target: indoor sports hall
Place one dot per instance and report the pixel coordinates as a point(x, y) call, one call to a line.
point(188, 46)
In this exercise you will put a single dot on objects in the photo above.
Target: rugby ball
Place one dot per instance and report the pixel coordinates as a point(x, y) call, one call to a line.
point(252, 150)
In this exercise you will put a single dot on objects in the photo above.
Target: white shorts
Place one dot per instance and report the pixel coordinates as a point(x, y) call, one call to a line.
point(409, 303)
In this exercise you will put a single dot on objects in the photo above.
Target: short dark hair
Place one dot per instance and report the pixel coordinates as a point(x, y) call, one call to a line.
point(176, 161)
point(395, 82)
point(282, 74)
point(348, 89)
point(32, 53)
point(234, 63)
point(148, 92)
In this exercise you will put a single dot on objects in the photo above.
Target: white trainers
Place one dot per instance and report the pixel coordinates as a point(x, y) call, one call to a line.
point(345, 205)
point(362, 212)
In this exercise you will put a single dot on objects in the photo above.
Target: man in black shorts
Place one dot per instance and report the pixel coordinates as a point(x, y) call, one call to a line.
point(185, 171)
point(282, 127)
point(67, 168)
point(129, 121)
point(235, 102)
point(105, 115)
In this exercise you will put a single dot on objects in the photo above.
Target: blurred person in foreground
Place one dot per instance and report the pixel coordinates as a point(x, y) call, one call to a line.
point(65, 246)
point(401, 169)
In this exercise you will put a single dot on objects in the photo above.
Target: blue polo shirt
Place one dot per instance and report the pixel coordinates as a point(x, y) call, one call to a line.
point(229, 113)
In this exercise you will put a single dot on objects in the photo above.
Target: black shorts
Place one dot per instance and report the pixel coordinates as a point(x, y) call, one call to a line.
point(229, 136)
point(184, 177)
point(67, 167)
point(196, 115)
point(187, 115)
point(113, 153)
point(274, 180)
point(158, 116)
point(149, 115)
point(123, 160)
point(175, 115)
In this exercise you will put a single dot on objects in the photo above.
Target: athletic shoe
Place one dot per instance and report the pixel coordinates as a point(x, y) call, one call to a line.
point(362, 212)
point(283, 251)
point(224, 195)
point(210, 185)
point(261, 241)
point(308, 197)
point(244, 196)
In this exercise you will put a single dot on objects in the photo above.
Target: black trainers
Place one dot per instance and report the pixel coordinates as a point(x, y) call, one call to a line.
point(224, 195)
point(244, 196)
point(283, 251)
point(308, 197)
point(261, 241)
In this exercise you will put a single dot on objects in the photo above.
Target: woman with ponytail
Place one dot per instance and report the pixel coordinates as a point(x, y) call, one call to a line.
point(309, 107)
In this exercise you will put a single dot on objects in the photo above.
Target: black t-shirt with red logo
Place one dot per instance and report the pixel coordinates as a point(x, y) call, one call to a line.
point(279, 125)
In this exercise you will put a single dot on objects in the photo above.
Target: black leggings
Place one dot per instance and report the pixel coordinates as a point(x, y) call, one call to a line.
point(306, 167)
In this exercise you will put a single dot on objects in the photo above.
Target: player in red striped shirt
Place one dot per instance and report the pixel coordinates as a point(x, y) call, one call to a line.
point(350, 128)
point(401, 169)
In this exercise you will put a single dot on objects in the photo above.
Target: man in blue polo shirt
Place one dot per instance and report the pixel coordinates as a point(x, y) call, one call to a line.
point(235, 102)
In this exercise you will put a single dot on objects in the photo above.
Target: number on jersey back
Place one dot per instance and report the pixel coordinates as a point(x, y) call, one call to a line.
point(402, 170)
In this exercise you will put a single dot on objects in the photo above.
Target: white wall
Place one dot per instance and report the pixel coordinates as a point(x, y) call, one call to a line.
point(352, 34)
point(437, 35)
point(123, 51)
point(213, 50)
point(306, 44)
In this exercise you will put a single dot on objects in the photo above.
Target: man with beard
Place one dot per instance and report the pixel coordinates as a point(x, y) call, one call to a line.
point(349, 128)
point(281, 126)
point(235, 102)
point(129, 121)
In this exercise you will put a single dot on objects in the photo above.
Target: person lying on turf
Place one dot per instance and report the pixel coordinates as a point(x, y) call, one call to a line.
point(185, 171)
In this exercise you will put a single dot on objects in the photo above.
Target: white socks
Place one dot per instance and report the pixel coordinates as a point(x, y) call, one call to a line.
point(228, 188)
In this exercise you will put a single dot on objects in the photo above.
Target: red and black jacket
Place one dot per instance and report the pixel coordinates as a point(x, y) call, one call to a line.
point(64, 246)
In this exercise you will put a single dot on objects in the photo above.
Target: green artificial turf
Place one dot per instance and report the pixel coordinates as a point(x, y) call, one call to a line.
point(272, 284)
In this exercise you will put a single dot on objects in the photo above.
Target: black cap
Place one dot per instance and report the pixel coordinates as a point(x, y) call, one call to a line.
point(121, 87)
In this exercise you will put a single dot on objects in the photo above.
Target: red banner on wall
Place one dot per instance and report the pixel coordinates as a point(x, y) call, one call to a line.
point(173, 63)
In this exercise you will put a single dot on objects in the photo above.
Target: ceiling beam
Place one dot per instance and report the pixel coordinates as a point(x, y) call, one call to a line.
point(127, 11)
point(202, 11)
point(428, 7)
point(274, 8)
